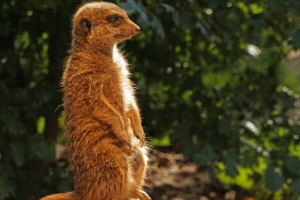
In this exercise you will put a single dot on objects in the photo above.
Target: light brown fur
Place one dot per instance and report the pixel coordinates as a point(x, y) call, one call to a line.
point(101, 114)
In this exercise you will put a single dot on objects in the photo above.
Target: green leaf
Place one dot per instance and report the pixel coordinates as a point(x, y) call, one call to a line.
point(295, 35)
point(249, 158)
point(190, 150)
point(41, 122)
point(10, 123)
point(243, 7)
point(231, 168)
point(129, 7)
point(143, 18)
point(226, 127)
point(176, 18)
point(187, 96)
point(44, 150)
point(223, 78)
point(257, 24)
point(207, 155)
point(6, 189)
point(232, 154)
point(168, 8)
point(215, 3)
point(209, 80)
point(274, 180)
point(256, 9)
point(156, 24)
point(18, 151)
point(210, 170)
point(292, 164)
point(294, 7)
point(204, 27)
point(296, 185)
point(66, 183)
point(276, 5)
point(179, 136)
point(191, 2)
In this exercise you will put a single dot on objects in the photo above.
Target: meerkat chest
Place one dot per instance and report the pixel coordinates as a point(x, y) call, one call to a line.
point(126, 88)
point(125, 83)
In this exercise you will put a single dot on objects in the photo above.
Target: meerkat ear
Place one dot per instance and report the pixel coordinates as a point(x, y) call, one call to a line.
point(86, 25)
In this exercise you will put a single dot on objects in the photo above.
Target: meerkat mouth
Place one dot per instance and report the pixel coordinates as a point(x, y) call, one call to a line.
point(119, 36)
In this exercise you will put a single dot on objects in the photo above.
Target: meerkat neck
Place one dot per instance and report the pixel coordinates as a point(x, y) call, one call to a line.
point(115, 53)
point(105, 49)
point(109, 51)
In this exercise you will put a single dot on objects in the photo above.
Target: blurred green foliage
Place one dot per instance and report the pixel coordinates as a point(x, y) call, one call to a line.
point(212, 75)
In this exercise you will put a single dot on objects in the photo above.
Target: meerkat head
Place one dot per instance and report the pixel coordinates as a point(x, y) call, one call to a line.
point(102, 25)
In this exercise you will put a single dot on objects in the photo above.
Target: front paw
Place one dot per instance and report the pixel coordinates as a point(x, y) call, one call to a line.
point(145, 196)
point(125, 139)
point(139, 133)
point(141, 196)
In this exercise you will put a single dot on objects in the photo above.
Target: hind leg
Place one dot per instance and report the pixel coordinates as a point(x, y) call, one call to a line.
point(101, 172)
point(138, 165)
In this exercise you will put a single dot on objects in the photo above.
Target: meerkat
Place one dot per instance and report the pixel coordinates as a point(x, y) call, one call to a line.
point(106, 142)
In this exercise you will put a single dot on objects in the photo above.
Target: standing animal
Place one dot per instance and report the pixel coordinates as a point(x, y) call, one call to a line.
point(106, 142)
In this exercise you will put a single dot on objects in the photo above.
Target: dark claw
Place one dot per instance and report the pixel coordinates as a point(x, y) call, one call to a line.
point(141, 143)
point(128, 143)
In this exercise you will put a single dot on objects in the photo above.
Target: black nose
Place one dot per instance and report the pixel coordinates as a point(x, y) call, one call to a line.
point(137, 30)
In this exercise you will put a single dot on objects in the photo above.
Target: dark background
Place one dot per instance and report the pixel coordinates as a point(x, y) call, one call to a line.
point(219, 79)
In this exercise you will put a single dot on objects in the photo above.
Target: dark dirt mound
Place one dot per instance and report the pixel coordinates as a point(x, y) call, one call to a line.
point(172, 177)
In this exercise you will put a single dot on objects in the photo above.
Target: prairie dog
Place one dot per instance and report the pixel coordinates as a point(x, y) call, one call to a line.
point(103, 124)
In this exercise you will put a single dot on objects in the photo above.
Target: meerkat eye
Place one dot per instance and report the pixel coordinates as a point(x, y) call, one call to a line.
point(113, 19)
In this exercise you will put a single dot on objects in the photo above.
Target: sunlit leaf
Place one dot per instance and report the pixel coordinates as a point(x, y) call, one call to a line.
point(256, 9)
